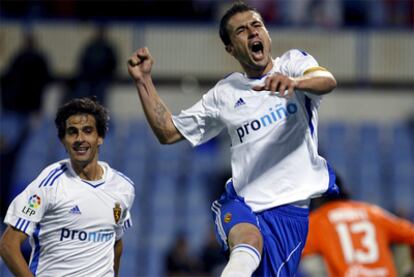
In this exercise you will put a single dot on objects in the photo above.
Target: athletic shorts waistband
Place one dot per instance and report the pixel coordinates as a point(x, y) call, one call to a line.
point(289, 209)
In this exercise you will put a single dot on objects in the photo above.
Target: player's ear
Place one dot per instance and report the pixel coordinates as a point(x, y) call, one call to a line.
point(100, 140)
point(229, 48)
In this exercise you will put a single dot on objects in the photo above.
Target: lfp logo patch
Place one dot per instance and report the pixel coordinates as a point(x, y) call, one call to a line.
point(34, 201)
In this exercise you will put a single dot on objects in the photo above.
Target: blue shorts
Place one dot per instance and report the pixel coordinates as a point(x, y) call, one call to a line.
point(284, 230)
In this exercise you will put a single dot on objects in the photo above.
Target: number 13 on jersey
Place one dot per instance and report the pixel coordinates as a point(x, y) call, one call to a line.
point(358, 241)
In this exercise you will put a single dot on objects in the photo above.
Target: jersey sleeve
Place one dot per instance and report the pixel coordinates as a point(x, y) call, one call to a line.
point(123, 226)
point(30, 205)
point(399, 230)
point(201, 122)
point(296, 63)
point(126, 218)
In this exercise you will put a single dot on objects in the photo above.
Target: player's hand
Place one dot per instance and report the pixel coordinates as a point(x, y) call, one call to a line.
point(278, 84)
point(140, 64)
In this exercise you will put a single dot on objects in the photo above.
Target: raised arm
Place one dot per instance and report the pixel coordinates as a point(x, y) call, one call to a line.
point(399, 230)
point(10, 244)
point(157, 113)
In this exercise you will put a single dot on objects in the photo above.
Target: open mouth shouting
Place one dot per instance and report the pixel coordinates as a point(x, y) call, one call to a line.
point(256, 48)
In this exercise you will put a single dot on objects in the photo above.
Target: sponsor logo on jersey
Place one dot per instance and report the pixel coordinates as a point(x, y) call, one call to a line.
point(32, 204)
point(274, 115)
point(75, 210)
point(117, 212)
point(227, 217)
point(239, 103)
point(98, 236)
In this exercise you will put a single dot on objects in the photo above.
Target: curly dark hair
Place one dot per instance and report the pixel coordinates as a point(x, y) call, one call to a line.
point(237, 7)
point(85, 105)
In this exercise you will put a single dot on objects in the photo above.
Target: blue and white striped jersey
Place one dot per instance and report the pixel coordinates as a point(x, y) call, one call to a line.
point(274, 151)
point(73, 223)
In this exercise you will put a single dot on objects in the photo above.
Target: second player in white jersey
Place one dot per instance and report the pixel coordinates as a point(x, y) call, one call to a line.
point(72, 223)
point(264, 166)
point(75, 211)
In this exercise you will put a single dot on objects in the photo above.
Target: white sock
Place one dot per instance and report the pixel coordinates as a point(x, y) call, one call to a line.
point(244, 259)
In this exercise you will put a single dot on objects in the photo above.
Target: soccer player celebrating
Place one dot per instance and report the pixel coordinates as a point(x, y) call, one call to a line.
point(354, 238)
point(75, 211)
point(270, 112)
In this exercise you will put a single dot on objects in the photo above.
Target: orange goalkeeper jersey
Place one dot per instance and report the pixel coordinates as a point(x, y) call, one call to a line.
point(354, 238)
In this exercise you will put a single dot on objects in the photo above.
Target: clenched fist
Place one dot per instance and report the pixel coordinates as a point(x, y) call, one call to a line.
point(140, 64)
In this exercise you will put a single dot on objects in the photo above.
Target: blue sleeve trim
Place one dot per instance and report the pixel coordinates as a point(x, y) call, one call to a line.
point(53, 175)
point(308, 103)
point(22, 224)
point(54, 179)
point(127, 224)
point(125, 177)
point(332, 187)
point(36, 254)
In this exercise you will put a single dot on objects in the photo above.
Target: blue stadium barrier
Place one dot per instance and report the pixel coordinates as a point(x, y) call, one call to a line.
point(402, 168)
point(161, 225)
point(202, 164)
point(12, 125)
point(33, 157)
point(156, 262)
point(335, 144)
point(369, 159)
point(196, 217)
point(131, 250)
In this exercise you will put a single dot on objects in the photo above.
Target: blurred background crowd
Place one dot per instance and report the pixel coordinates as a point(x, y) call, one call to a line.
point(324, 13)
point(51, 51)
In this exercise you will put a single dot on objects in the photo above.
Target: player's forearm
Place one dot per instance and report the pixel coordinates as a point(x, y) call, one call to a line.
point(401, 230)
point(117, 255)
point(319, 82)
point(14, 260)
point(158, 115)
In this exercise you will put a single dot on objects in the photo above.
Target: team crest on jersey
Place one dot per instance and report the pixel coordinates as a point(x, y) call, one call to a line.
point(227, 217)
point(117, 212)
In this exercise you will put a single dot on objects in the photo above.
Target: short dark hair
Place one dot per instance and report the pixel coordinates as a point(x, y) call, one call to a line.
point(83, 105)
point(237, 7)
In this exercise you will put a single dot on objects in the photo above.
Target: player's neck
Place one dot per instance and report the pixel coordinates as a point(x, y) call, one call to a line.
point(257, 72)
point(90, 172)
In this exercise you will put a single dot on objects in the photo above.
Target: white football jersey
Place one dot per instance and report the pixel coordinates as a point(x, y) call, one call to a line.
point(274, 155)
point(73, 223)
